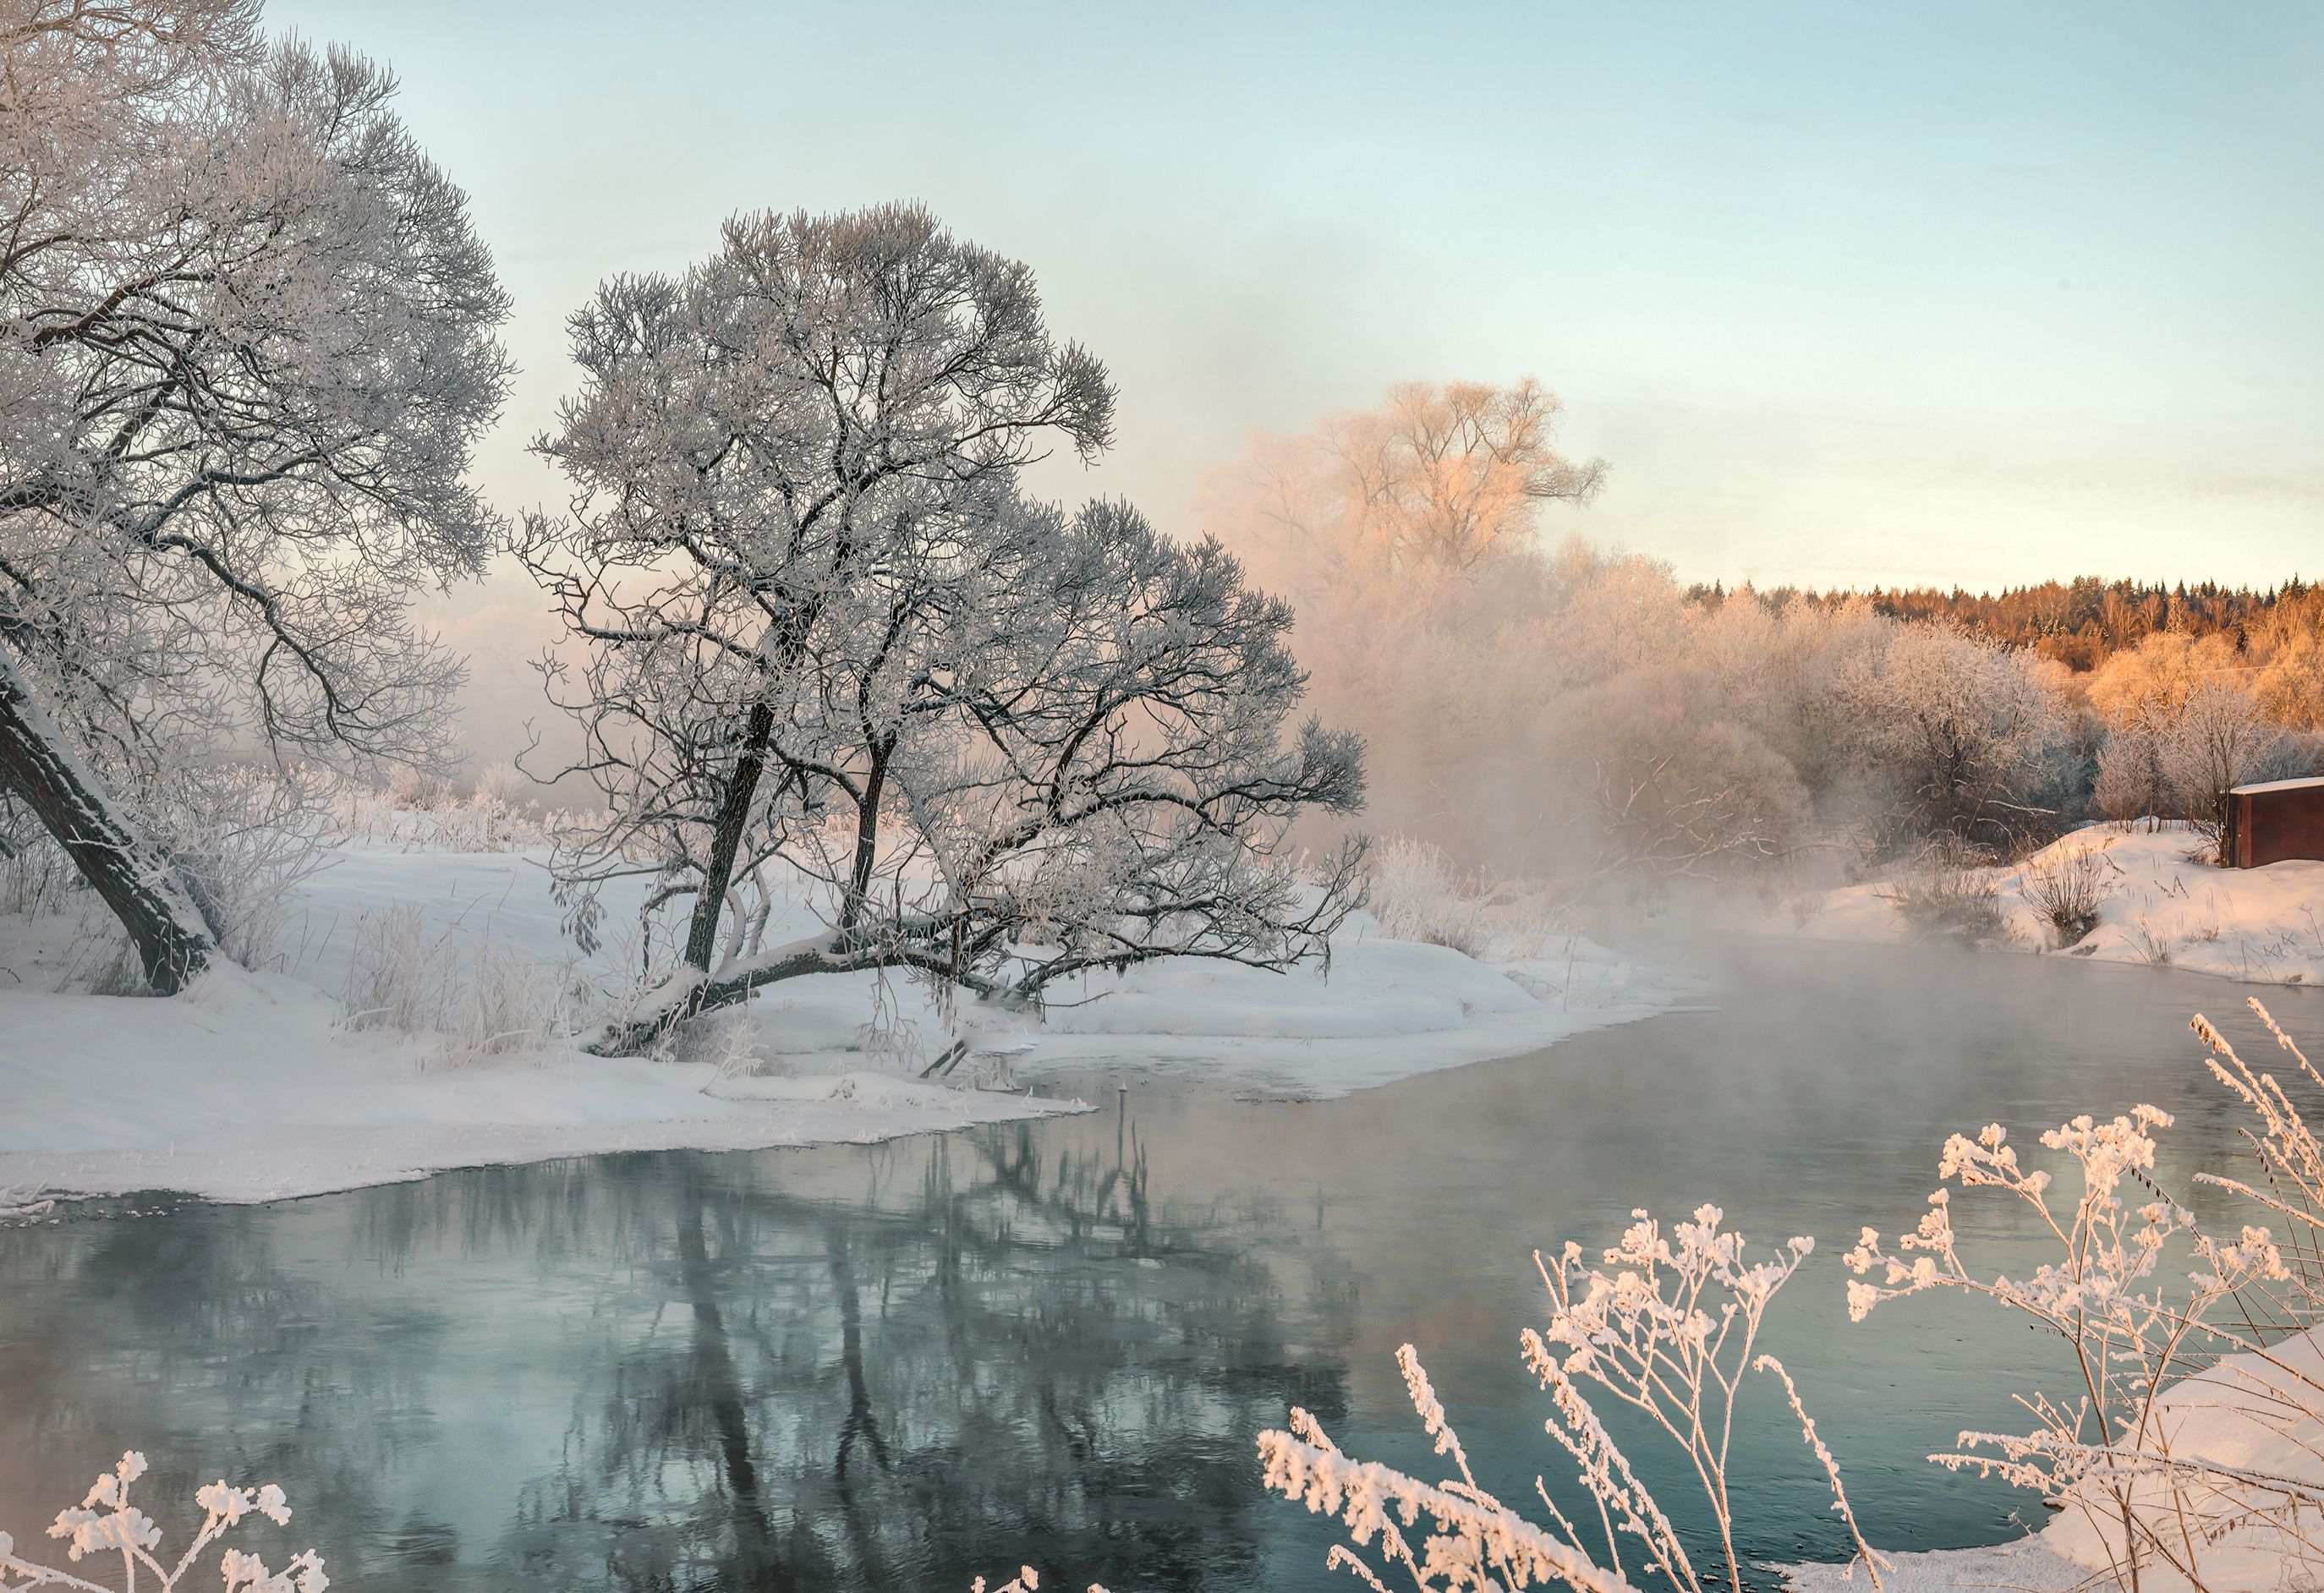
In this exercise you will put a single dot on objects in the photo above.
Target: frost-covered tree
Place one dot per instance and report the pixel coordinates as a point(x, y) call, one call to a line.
point(2179, 754)
point(1115, 782)
point(245, 343)
point(1965, 732)
point(1435, 479)
point(2220, 738)
point(814, 619)
point(1406, 537)
point(758, 447)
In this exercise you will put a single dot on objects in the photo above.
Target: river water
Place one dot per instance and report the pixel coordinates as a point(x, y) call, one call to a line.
point(895, 1366)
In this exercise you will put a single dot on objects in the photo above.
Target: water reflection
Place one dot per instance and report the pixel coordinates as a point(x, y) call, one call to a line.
point(829, 1369)
point(898, 1366)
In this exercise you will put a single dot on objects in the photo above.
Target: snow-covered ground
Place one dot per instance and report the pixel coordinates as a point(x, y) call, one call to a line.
point(2160, 904)
point(253, 1086)
point(246, 1088)
point(1387, 1010)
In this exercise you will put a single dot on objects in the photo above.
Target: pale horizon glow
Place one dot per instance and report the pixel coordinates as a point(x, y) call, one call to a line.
point(1981, 295)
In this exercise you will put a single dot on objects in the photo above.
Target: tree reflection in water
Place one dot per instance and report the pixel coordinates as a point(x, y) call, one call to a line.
point(842, 1367)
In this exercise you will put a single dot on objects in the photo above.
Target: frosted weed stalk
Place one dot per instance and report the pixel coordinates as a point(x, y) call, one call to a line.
point(477, 997)
point(1667, 1327)
point(107, 1523)
point(2117, 1455)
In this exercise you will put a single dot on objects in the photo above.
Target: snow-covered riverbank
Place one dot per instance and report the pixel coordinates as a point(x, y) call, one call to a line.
point(2251, 1415)
point(2157, 903)
point(253, 1086)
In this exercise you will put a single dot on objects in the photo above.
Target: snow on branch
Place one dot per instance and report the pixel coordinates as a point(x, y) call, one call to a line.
point(107, 1524)
point(1666, 1329)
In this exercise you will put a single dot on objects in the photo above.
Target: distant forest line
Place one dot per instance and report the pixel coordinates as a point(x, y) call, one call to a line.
point(2083, 621)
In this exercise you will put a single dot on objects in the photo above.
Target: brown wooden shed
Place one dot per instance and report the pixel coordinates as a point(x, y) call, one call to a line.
point(2275, 823)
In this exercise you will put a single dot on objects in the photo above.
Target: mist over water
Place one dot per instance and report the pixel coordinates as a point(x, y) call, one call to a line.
point(902, 1365)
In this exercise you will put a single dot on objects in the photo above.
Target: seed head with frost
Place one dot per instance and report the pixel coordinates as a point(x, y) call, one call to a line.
point(105, 1523)
point(1668, 1329)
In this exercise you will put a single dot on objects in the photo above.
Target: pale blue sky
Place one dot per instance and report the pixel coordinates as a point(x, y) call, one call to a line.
point(1845, 293)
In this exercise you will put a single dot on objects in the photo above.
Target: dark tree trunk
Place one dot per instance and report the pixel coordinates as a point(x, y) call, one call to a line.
point(867, 840)
point(733, 817)
point(174, 940)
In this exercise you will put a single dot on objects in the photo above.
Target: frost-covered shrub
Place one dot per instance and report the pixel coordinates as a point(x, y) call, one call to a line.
point(242, 839)
point(478, 997)
point(1026, 1580)
point(107, 1524)
point(2135, 775)
point(726, 1038)
point(2189, 1442)
point(2068, 890)
point(36, 878)
point(1666, 1329)
point(483, 823)
point(245, 839)
point(1416, 894)
point(1950, 893)
point(417, 789)
point(501, 783)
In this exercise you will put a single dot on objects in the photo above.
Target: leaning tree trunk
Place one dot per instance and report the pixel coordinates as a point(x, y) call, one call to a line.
point(174, 940)
point(726, 841)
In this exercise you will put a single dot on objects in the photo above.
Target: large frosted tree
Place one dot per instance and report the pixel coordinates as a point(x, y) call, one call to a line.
point(815, 619)
point(245, 343)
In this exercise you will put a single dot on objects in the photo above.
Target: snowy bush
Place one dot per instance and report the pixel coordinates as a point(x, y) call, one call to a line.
point(476, 995)
point(106, 1524)
point(1416, 893)
point(36, 878)
point(244, 838)
point(502, 784)
point(1950, 893)
point(417, 789)
point(2067, 886)
point(2193, 1440)
point(1667, 1330)
point(241, 839)
point(483, 823)
point(2134, 775)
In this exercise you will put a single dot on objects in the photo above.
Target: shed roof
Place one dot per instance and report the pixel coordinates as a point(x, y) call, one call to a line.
point(2309, 783)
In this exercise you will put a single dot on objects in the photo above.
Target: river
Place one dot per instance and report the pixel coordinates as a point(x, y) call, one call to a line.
point(898, 1366)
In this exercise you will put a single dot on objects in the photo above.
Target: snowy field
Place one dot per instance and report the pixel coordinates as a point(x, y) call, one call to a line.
point(256, 1086)
point(2157, 902)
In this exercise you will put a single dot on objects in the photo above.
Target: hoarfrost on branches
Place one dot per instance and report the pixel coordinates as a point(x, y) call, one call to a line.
point(245, 343)
point(106, 1524)
point(2156, 1356)
point(813, 618)
point(1667, 1327)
